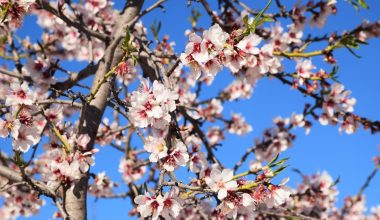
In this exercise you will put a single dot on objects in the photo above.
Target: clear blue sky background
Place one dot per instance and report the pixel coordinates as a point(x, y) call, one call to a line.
point(347, 156)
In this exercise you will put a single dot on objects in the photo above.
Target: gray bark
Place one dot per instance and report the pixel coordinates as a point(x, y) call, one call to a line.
point(91, 115)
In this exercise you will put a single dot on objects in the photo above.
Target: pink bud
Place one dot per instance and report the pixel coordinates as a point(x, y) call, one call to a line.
point(83, 140)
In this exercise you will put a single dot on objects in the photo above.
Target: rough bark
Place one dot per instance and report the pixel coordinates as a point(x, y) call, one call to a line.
point(16, 177)
point(91, 115)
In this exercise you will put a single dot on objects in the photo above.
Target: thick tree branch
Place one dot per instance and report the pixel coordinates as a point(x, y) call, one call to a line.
point(79, 26)
point(92, 112)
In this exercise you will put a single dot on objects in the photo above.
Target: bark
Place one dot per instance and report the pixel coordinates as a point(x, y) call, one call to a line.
point(10, 174)
point(91, 115)
point(15, 177)
point(76, 77)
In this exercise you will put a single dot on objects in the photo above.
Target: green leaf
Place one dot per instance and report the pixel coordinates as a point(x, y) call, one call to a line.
point(335, 182)
point(195, 15)
point(351, 42)
point(279, 170)
point(298, 171)
point(357, 4)
point(279, 163)
point(258, 20)
point(140, 189)
point(363, 4)
point(262, 12)
point(264, 20)
point(5, 11)
point(245, 19)
point(155, 28)
point(274, 159)
point(333, 74)
point(145, 187)
point(353, 52)
point(134, 59)
point(127, 39)
point(3, 40)
point(303, 48)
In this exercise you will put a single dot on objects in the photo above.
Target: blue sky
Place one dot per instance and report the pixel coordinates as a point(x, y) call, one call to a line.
point(347, 156)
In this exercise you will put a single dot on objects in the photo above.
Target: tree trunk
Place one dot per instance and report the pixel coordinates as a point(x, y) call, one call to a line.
point(91, 115)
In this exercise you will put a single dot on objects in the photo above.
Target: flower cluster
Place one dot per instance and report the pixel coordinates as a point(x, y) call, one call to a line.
point(15, 11)
point(20, 201)
point(316, 196)
point(208, 54)
point(212, 109)
point(168, 127)
point(238, 197)
point(131, 170)
point(107, 134)
point(151, 106)
point(239, 89)
point(21, 118)
point(338, 104)
point(369, 31)
point(126, 72)
point(168, 206)
point(338, 100)
point(275, 140)
point(183, 88)
point(97, 15)
point(102, 186)
point(215, 135)
point(177, 156)
point(41, 70)
point(282, 40)
point(238, 125)
point(57, 168)
point(325, 9)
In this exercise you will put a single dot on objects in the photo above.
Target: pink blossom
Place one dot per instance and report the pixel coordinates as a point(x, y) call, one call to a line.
point(240, 88)
point(338, 100)
point(297, 120)
point(126, 72)
point(304, 68)
point(25, 139)
point(214, 39)
point(198, 162)
point(249, 44)
point(172, 204)
point(177, 156)
point(83, 140)
point(19, 94)
point(157, 147)
point(149, 205)
point(238, 125)
point(277, 195)
point(152, 106)
point(234, 204)
point(130, 171)
point(9, 125)
point(215, 135)
point(221, 182)
point(102, 186)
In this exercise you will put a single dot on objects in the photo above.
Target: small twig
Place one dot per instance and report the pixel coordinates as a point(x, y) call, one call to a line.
point(64, 141)
point(173, 67)
point(214, 17)
point(8, 186)
point(147, 10)
point(368, 180)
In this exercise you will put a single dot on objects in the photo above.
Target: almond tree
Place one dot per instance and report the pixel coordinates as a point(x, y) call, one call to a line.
point(55, 120)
